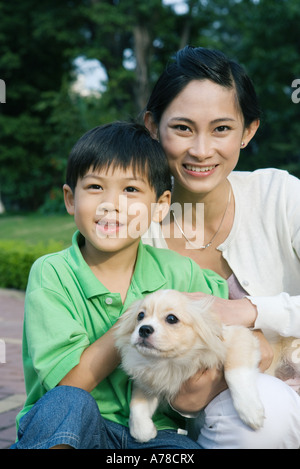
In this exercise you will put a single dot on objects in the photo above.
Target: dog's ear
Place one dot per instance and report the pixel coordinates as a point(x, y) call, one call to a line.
point(127, 321)
point(206, 323)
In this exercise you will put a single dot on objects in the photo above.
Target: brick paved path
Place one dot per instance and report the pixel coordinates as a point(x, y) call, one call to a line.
point(12, 388)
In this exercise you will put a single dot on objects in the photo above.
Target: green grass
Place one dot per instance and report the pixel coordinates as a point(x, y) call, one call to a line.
point(36, 228)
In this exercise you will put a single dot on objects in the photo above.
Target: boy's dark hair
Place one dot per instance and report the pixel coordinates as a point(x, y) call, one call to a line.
point(120, 145)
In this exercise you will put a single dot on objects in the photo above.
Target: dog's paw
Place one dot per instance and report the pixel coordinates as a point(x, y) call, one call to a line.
point(251, 413)
point(246, 400)
point(142, 431)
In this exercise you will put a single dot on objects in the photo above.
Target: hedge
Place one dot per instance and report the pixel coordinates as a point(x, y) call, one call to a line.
point(16, 259)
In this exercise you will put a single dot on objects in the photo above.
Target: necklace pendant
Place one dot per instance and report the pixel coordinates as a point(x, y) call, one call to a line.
point(206, 245)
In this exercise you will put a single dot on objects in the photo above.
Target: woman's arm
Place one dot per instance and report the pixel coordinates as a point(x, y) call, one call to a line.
point(280, 314)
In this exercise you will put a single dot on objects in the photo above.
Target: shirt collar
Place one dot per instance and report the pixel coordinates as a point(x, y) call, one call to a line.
point(147, 273)
point(147, 276)
point(90, 285)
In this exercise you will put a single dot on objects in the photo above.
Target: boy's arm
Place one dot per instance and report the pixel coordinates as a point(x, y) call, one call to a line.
point(58, 349)
point(96, 363)
point(206, 281)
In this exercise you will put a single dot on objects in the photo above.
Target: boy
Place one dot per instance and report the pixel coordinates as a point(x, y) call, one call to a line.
point(117, 182)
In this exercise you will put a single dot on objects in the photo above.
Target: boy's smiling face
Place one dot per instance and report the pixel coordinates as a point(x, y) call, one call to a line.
point(113, 208)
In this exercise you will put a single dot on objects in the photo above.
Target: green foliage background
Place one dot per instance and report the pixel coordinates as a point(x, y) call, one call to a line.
point(16, 260)
point(26, 237)
point(42, 118)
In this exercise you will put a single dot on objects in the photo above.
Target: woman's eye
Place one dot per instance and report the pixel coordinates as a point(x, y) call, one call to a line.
point(182, 128)
point(222, 128)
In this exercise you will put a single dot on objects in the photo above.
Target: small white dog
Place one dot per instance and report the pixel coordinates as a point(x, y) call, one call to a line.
point(165, 338)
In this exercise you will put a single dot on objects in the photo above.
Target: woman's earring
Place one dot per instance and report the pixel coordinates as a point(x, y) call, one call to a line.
point(242, 144)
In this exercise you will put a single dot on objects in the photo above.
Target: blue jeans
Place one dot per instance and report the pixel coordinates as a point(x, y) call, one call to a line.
point(70, 416)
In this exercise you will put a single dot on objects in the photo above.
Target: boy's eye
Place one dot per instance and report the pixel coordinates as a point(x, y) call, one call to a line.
point(96, 187)
point(131, 189)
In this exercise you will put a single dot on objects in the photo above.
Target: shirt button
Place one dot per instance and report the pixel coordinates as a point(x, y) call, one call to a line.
point(108, 301)
point(245, 283)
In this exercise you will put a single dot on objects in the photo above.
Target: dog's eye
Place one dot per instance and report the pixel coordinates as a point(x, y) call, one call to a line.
point(141, 316)
point(171, 319)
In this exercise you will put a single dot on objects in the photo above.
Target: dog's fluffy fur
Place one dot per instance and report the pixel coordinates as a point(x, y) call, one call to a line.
point(165, 338)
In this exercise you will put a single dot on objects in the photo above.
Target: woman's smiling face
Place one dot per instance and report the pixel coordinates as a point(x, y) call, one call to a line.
point(202, 131)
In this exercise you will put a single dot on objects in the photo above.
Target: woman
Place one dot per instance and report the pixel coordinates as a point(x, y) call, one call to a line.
point(203, 110)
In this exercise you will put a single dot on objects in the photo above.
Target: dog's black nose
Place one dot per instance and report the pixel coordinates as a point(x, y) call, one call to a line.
point(145, 331)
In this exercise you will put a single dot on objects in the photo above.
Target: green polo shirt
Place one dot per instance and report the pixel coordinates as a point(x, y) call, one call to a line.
point(67, 308)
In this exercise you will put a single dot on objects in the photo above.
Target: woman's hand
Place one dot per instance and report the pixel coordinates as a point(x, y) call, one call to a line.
point(199, 390)
point(241, 313)
point(266, 351)
point(231, 312)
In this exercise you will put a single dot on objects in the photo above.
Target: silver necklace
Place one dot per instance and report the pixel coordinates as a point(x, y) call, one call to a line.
point(212, 239)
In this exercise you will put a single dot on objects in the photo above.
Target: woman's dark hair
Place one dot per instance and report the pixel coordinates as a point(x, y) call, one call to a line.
point(198, 63)
point(120, 145)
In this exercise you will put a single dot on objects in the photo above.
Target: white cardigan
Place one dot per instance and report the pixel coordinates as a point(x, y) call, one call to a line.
point(263, 247)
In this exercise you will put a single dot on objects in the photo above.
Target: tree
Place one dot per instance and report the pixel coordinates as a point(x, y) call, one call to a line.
point(34, 59)
point(41, 120)
point(39, 41)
